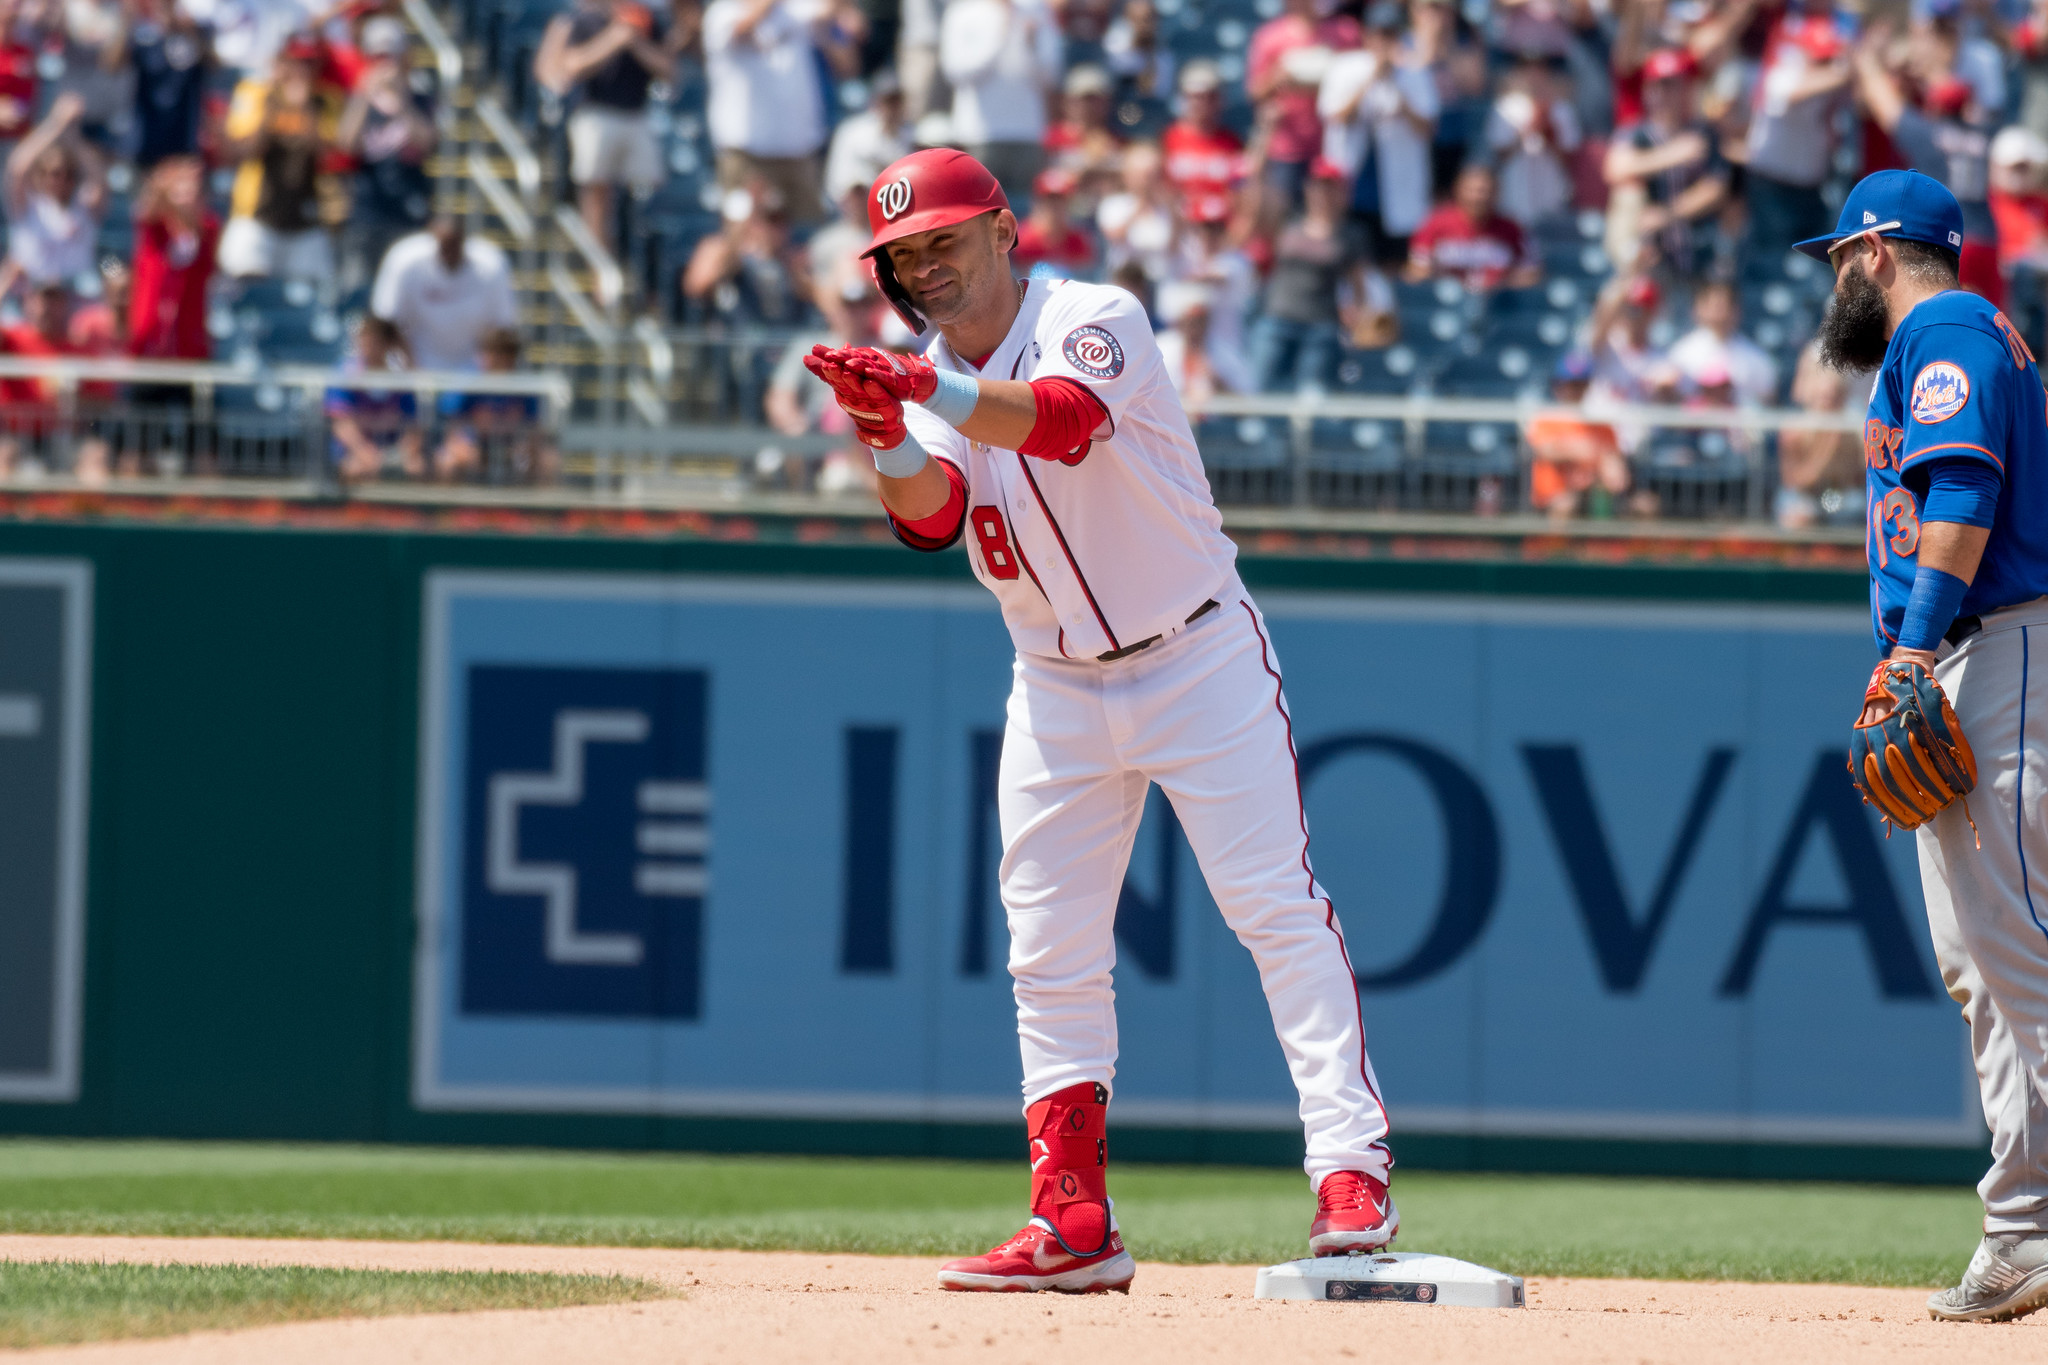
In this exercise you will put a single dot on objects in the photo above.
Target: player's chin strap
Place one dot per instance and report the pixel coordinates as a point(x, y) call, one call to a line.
point(893, 290)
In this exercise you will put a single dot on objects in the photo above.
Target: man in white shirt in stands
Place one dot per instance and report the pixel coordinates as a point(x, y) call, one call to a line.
point(444, 291)
point(864, 143)
point(1001, 57)
point(1379, 111)
point(1716, 344)
point(766, 105)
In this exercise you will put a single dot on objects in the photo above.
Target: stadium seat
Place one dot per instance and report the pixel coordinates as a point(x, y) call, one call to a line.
point(1355, 463)
point(1247, 458)
point(1389, 370)
point(1490, 372)
point(1372, 443)
point(1489, 446)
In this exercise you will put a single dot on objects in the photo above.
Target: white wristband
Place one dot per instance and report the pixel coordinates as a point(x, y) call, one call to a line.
point(902, 461)
point(953, 401)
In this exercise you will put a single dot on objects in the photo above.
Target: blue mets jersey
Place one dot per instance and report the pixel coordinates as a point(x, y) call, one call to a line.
point(1957, 383)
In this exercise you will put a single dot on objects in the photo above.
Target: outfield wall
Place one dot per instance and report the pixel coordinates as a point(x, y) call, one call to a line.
point(389, 837)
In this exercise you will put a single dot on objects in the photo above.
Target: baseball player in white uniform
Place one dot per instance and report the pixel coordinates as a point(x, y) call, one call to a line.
point(1043, 427)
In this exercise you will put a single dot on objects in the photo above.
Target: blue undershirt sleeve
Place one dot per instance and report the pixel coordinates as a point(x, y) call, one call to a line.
point(1962, 491)
point(1931, 608)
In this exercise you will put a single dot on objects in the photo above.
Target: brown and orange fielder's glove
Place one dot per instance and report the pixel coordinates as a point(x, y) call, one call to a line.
point(1907, 752)
point(877, 414)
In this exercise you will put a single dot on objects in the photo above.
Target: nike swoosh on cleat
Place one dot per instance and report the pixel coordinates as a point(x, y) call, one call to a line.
point(1038, 1257)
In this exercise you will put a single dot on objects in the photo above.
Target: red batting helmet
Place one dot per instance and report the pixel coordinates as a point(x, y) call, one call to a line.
point(934, 188)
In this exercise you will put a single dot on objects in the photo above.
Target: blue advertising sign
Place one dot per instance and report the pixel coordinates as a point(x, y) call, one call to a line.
point(704, 845)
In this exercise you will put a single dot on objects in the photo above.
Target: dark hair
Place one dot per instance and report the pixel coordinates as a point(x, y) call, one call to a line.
point(1926, 261)
point(384, 330)
point(500, 341)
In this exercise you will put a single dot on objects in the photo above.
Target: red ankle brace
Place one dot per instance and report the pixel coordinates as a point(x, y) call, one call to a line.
point(1070, 1165)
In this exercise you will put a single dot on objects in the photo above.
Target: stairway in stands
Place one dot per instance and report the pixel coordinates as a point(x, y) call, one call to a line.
point(563, 305)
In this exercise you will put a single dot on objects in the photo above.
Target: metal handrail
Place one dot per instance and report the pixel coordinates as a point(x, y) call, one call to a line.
point(69, 371)
point(525, 165)
point(580, 307)
point(661, 356)
point(1439, 407)
point(611, 281)
point(447, 56)
point(534, 384)
point(119, 370)
point(503, 202)
point(684, 441)
point(651, 406)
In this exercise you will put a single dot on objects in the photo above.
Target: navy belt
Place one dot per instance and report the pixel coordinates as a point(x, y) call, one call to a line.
point(1963, 628)
point(1197, 614)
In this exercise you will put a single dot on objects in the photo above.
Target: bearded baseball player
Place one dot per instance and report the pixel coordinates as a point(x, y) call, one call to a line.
point(1043, 427)
point(1953, 737)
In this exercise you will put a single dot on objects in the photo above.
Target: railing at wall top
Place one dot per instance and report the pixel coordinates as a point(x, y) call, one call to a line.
point(69, 371)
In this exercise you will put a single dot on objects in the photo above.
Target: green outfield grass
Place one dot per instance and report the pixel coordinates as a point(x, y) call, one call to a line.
point(1672, 1229)
point(54, 1303)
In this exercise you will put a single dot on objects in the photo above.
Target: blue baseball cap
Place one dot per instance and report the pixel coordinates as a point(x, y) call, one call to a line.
point(1904, 204)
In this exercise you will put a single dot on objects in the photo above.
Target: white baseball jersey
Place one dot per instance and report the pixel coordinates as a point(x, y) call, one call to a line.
point(1119, 546)
point(1125, 542)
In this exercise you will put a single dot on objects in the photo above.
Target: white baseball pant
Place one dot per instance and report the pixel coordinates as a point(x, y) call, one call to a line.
point(1201, 713)
point(1987, 908)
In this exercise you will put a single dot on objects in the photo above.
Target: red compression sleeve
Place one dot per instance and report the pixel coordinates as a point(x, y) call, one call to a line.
point(942, 527)
point(1068, 417)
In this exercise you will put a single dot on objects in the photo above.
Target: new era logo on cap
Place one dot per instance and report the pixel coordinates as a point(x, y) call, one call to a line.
point(1869, 217)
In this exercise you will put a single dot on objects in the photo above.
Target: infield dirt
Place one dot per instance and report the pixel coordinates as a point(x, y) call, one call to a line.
point(765, 1308)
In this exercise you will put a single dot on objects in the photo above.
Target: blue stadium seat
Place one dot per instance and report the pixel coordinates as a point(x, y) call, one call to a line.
point(1391, 370)
point(1365, 444)
point(1356, 463)
point(1247, 458)
point(1490, 373)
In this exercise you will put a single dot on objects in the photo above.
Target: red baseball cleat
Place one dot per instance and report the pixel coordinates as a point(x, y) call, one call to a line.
point(1037, 1259)
point(1070, 1208)
point(1354, 1212)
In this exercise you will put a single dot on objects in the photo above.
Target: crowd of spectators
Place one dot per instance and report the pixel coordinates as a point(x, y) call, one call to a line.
point(167, 160)
point(1295, 197)
point(1276, 202)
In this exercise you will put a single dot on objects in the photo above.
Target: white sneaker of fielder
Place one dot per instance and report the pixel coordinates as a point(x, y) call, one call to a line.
point(2007, 1278)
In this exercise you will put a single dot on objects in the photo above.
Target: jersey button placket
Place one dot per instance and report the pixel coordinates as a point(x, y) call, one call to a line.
point(1117, 681)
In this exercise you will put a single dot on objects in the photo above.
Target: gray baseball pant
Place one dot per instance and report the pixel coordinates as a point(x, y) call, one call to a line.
point(1987, 907)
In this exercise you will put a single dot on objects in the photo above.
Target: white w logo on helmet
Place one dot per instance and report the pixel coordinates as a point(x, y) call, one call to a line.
point(894, 198)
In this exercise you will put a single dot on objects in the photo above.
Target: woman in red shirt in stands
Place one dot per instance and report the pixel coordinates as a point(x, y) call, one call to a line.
point(175, 236)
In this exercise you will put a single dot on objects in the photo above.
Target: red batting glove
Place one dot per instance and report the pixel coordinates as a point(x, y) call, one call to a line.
point(877, 415)
point(907, 378)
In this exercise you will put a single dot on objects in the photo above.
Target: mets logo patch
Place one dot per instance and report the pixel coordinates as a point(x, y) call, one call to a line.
point(1940, 391)
point(1093, 351)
